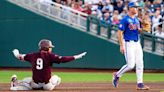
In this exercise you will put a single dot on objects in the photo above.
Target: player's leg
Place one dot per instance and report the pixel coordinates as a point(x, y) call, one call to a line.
point(130, 60)
point(20, 85)
point(129, 57)
point(36, 85)
point(139, 63)
point(139, 67)
point(54, 81)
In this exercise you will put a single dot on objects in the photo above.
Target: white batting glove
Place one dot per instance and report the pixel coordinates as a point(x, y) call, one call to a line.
point(80, 55)
point(18, 55)
point(16, 52)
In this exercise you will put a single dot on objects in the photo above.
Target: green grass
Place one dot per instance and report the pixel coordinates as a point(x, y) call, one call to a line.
point(85, 77)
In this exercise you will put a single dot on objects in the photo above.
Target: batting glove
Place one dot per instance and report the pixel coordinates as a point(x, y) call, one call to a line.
point(80, 55)
point(18, 55)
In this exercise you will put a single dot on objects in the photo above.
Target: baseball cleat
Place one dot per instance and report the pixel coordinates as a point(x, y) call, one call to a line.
point(141, 86)
point(115, 80)
point(14, 80)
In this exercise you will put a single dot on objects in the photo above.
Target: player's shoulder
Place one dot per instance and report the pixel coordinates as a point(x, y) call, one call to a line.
point(125, 18)
point(33, 53)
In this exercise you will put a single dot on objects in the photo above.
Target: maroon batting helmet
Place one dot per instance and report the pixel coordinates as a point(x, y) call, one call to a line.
point(45, 44)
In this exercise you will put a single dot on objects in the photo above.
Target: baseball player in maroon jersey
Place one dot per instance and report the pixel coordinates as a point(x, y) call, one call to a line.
point(41, 62)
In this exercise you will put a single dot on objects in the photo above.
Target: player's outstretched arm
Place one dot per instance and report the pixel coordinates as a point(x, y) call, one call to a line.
point(18, 55)
point(80, 55)
point(64, 59)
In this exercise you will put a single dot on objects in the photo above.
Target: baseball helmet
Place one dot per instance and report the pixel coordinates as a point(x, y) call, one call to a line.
point(44, 43)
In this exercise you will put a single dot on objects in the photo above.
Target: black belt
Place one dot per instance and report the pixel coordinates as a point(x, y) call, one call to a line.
point(131, 40)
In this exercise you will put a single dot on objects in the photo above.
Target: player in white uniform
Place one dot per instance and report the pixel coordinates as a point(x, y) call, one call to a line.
point(128, 35)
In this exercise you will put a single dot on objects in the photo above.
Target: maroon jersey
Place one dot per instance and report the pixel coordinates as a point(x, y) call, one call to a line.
point(41, 64)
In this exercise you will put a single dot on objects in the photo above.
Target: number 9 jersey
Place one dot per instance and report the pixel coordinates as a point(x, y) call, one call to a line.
point(41, 64)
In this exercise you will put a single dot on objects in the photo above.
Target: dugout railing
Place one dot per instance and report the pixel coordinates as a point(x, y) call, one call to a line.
point(150, 42)
point(54, 11)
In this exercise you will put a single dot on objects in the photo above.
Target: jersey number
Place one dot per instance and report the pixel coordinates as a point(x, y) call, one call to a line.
point(39, 64)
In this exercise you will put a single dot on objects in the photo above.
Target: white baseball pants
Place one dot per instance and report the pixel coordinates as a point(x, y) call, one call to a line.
point(134, 56)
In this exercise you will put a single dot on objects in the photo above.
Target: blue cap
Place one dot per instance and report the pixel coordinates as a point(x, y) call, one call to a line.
point(133, 4)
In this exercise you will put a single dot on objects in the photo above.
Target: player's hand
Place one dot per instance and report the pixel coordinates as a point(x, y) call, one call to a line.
point(18, 55)
point(122, 49)
point(80, 55)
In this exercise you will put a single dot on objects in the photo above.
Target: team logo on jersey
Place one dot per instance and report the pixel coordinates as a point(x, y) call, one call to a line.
point(133, 26)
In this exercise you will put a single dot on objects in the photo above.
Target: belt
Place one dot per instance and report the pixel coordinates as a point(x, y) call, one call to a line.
point(131, 40)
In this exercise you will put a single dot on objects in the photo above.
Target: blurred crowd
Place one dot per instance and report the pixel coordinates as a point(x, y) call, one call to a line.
point(151, 12)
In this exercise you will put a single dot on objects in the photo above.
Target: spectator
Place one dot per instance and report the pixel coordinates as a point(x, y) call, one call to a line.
point(146, 9)
point(99, 14)
point(141, 3)
point(100, 6)
point(158, 3)
point(87, 9)
point(116, 10)
point(123, 13)
point(77, 7)
point(111, 8)
point(116, 13)
point(81, 3)
point(58, 1)
point(151, 1)
point(119, 6)
point(115, 20)
point(94, 13)
point(146, 23)
point(147, 3)
point(156, 17)
point(94, 4)
point(107, 7)
point(159, 32)
point(106, 17)
point(69, 3)
point(154, 5)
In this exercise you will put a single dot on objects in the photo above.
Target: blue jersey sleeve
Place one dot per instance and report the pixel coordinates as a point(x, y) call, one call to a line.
point(122, 25)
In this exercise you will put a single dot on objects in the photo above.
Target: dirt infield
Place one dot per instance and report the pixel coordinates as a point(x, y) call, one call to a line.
point(89, 87)
point(96, 87)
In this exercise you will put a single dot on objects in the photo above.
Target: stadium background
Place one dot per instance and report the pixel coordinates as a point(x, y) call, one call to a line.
point(23, 29)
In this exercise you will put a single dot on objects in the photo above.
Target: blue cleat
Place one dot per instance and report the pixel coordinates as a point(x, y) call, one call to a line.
point(141, 86)
point(115, 80)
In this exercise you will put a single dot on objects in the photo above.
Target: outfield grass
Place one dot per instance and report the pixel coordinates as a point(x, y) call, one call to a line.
point(85, 77)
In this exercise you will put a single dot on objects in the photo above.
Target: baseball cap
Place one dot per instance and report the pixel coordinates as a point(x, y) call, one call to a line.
point(133, 4)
